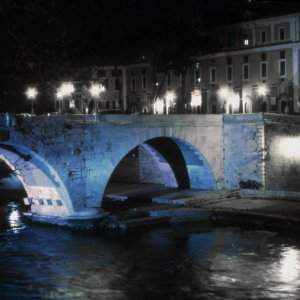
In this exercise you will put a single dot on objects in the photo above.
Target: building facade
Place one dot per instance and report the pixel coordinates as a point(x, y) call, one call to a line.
point(256, 69)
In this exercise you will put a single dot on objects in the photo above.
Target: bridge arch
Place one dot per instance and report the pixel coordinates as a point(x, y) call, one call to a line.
point(179, 163)
point(46, 193)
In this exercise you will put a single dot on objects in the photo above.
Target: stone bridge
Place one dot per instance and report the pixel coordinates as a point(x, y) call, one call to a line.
point(65, 162)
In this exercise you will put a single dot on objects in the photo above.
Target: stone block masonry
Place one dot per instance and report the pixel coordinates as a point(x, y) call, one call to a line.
point(65, 162)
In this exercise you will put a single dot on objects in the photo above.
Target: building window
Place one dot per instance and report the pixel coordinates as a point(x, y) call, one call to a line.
point(133, 83)
point(263, 66)
point(281, 33)
point(263, 70)
point(213, 77)
point(116, 104)
point(117, 85)
point(246, 42)
point(246, 71)
point(105, 84)
point(282, 64)
point(229, 73)
point(169, 80)
point(263, 36)
point(144, 82)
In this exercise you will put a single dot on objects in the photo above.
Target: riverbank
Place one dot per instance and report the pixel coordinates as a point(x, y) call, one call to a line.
point(234, 208)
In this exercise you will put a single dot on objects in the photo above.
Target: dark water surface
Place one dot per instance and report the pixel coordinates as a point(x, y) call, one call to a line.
point(176, 262)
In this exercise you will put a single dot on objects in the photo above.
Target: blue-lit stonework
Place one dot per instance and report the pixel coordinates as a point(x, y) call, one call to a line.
point(66, 162)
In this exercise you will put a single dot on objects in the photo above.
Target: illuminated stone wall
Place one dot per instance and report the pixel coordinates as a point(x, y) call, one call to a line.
point(282, 140)
point(85, 154)
point(243, 151)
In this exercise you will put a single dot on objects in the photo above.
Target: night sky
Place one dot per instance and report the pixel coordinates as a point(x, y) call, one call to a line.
point(40, 39)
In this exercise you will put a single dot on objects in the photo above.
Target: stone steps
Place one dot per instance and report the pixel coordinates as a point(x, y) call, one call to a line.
point(141, 222)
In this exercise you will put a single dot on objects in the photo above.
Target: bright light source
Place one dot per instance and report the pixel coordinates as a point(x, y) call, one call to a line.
point(66, 89)
point(31, 93)
point(59, 94)
point(290, 147)
point(196, 98)
point(235, 101)
point(170, 98)
point(262, 90)
point(159, 106)
point(96, 89)
point(224, 92)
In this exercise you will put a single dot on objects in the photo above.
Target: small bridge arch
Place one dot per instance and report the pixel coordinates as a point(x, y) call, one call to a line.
point(46, 193)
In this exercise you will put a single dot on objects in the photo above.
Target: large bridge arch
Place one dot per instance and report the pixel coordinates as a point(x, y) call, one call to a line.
point(46, 193)
point(188, 166)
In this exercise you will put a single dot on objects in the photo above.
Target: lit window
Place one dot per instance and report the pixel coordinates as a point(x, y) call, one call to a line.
point(246, 42)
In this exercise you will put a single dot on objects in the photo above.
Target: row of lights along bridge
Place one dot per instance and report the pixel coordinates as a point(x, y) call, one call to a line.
point(161, 105)
point(66, 90)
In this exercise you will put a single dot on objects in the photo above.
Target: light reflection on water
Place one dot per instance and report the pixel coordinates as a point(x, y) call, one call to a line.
point(15, 218)
point(175, 262)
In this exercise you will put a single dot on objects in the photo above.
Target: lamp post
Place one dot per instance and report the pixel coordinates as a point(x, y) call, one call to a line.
point(65, 90)
point(95, 91)
point(59, 97)
point(31, 94)
point(170, 96)
point(263, 92)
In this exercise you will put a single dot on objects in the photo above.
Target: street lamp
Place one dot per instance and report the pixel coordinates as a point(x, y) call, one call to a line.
point(196, 100)
point(95, 91)
point(59, 96)
point(263, 92)
point(170, 96)
point(31, 94)
point(158, 106)
point(65, 90)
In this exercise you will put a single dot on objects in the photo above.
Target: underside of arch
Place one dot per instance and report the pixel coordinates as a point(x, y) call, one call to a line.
point(190, 167)
point(46, 193)
point(171, 162)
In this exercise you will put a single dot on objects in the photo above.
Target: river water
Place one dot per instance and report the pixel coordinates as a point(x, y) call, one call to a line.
point(183, 261)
